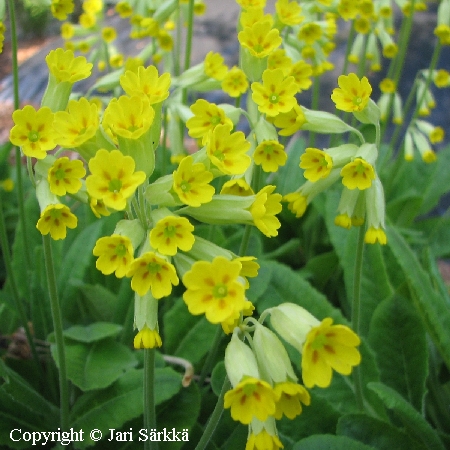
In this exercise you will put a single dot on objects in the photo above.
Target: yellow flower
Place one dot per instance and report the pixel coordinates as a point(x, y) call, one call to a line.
point(289, 13)
point(147, 338)
point(87, 20)
point(7, 185)
point(55, 219)
point(374, 235)
point(387, 86)
point(76, 125)
point(251, 398)
point(227, 151)
point(252, 15)
point(289, 398)
point(235, 82)
point(191, 182)
point(214, 66)
point(297, 203)
point(206, 117)
point(64, 176)
point(310, 33)
point(276, 94)
point(33, 131)
point(348, 9)
point(109, 34)
point(116, 60)
point(290, 122)
point(270, 155)
point(261, 39)
point(115, 254)
point(213, 288)
point(67, 30)
point(165, 42)
point(124, 9)
point(128, 117)
point(441, 78)
point(237, 186)
point(279, 60)
point(302, 71)
point(358, 174)
point(328, 347)
point(317, 164)
point(151, 272)
point(251, 3)
point(64, 66)
point(437, 135)
point(98, 208)
point(264, 209)
point(172, 233)
point(146, 82)
point(113, 178)
point(353, 94)
point(92, 6)
point(263, 440)
point(61, 8)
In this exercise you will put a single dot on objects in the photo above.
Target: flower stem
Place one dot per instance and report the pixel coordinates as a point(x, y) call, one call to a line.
point(356, 309)
point(211, 355)
point(149, 395)
point(190, 32)
point(315, 107)
point(58, 330)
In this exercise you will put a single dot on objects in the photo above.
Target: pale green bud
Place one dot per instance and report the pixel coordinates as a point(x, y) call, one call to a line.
point(132, 229)
point(252, 66)
point(368, 152)
point(265, 131)
point(370, 114)
point(44, 196)
point(375, 205)
point(159, 192)
point(145, 311)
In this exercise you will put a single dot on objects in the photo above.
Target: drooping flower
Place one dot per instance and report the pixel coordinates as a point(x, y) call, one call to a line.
point(251, 398)
point(264, 210)
point(152, 272)
point(215, 66)
point(328, 347)
point(317, 164)
point(260, 39)
point(64, 176)
point(147, 338)
point(270, 155)
point(115, 254)
point(64, 66)
point(289, 398)
point(235, 82)
point(302, 73)
point(290, 122)
point(353, 94)
point(263, 440)
point(191, 182)
point(113, 178)
point(237, 186)
point(172, 233)
point(33, 131)
point(358, 174)
point(213, 289)
point(374, 235)
point(55, 219)
point(297, 203)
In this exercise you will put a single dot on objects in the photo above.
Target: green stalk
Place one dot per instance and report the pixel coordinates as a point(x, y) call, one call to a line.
point(149, 395)
point(190, 32)
point(58, 329)
point(314, 107)
point(211, 355)
point(356, 309)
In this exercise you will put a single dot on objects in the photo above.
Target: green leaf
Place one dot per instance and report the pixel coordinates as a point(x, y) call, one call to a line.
point(433, 309)
point(375, 432)
point(114, 406)
point(436, 230)
point(399, 341)
point(96, 365)
point(218, 377)
point(413, 421)
point(92, 333)
point(330, 442)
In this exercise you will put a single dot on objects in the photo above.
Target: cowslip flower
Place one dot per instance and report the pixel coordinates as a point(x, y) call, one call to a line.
point(270, 155)
point(289, 398)
point(213, 288)
point(237, 186)
point(191, 182)
point(297, 203)
point(77, 124)
point(328, 347)
point(64, 176)
point(279, 60)
point(109, 34)
point(289, 13)
point(264, 210)
point(98, 207)
point(147, 338)
point(152, 272)
point(115, 254)
point(172, 233)
point(60, 9)
point(251, 398)
point(113, 178)
point(276, 94)
point(263, 440)
point(302, 73)
point(374, 235)
point(290, 122)
point(235, 82)
point(317, 164)
point(310, 33)
point(215, 66)
point(260, 39)
point(353, 94)
point(64, 66)
point(55, 219)
point(358, 174)
point(33, 131)
point(228, 151)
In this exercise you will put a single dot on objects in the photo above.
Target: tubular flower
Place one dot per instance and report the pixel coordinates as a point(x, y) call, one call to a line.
point(289, 398)
point(353, 94)
point(270, 155)
point(148, 82)
point(172, 233)
point(290, 122)
point(317, 164)
point(115, 254)
point(374, 235)
point(150, 271)
point(275, 94)
point(214, 66)
point(113, 178)
point(328, 347)
point(61, 8)
point(214, 289)
point(297, 203)
point(129, 117)
point(235, 82)
point(264, 209)
point(289, 13)
point(64, 176)
point(64, 66)
point(237, 186)
point(358, 174)
point(263, 440)
point(260, 39)
point(55, 219)
point(76, 125)
point(33, 131)
point(227, 151)
point(191, 182)
point(206, 117)
point(98, 208)
point(147, 338)
point(250, 398)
